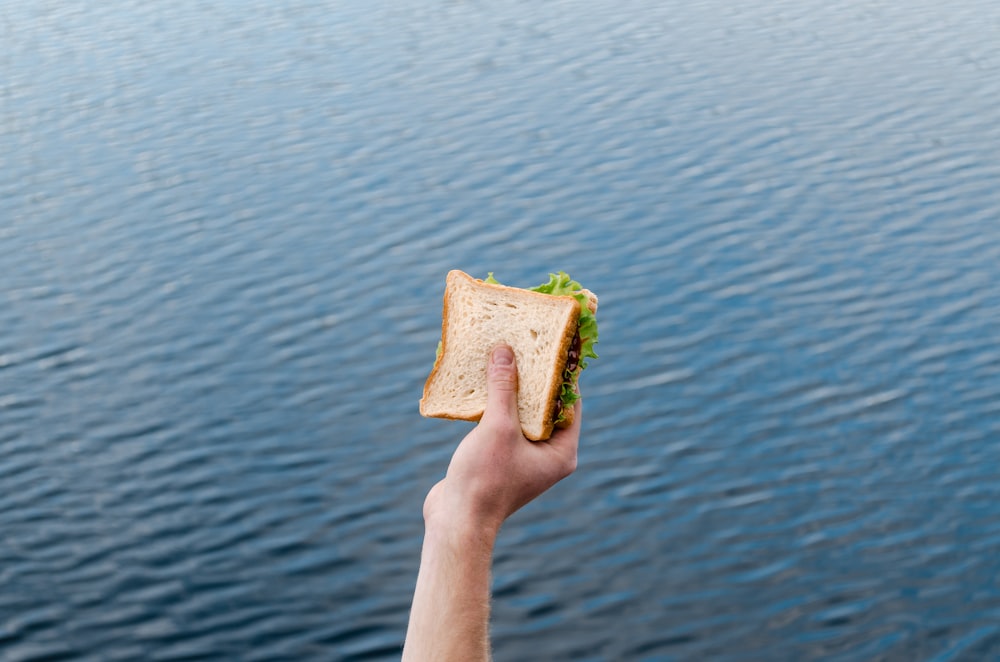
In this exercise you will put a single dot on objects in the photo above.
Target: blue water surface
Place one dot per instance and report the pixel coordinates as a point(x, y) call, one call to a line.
point(224, 231)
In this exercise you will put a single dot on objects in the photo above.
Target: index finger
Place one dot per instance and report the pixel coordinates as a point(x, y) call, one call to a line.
point(568, 439)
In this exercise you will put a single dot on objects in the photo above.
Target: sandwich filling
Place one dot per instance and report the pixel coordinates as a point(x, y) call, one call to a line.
point(572, 363)
point(583, 343)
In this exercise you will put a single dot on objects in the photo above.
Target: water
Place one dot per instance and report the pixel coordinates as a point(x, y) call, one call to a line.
point(224, 231)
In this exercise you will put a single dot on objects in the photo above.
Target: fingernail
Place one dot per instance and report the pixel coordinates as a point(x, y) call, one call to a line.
point(503, 356)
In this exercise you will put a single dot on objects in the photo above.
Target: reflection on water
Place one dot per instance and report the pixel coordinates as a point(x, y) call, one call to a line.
point(223, 238)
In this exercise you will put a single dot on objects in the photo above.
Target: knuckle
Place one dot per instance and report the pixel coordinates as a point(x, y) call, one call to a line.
point(569, 464)
point(504, 379)
point(507, 427)
point(500, 423)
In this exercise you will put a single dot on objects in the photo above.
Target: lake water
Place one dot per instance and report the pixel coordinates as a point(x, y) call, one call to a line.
point(224, 231)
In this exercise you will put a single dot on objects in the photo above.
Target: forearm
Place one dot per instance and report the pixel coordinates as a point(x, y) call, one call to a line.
point(449, 619)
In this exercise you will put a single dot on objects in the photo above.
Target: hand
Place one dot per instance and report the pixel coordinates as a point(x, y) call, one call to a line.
point(495, 470)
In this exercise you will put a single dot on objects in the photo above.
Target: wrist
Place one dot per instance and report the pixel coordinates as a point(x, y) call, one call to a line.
point(450, 521)
point(460, 530)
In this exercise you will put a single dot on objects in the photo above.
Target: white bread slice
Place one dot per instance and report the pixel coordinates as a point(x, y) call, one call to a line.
point(477, 317)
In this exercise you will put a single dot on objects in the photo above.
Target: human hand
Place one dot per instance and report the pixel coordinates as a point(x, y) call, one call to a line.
point(496, 470)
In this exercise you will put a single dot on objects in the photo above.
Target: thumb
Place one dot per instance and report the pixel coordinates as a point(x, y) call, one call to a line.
point(501, 387)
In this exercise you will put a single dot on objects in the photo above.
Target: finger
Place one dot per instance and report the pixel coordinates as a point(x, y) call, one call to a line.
point(564, 445)
point(567, 440)
point(501, 387)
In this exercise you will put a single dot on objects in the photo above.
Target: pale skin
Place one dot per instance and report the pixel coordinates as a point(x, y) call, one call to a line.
point(494, 472)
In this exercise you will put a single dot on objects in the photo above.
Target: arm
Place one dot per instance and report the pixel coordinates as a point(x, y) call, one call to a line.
point(494, 472)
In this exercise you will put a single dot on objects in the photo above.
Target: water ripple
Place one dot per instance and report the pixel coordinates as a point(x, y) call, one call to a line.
point(223, 236)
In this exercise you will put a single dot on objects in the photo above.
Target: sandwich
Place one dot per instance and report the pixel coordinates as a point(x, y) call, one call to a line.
point(551, 328)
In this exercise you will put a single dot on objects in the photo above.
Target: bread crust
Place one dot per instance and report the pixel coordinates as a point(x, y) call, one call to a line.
point(457, 281)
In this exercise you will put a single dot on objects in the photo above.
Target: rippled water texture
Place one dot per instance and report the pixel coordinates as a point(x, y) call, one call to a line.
point(224, 230)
